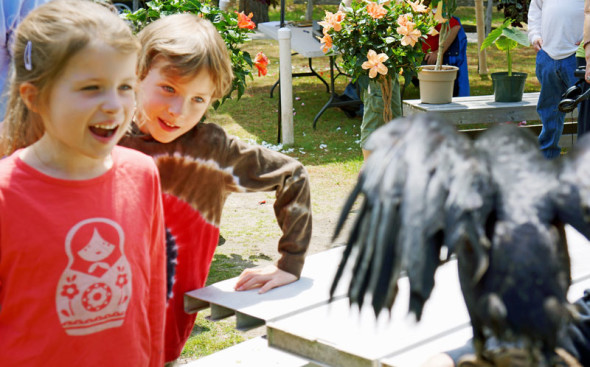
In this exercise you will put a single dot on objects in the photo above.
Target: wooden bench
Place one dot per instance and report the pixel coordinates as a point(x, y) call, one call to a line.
point(471, 110)
point(252, 309)
point(306, 330)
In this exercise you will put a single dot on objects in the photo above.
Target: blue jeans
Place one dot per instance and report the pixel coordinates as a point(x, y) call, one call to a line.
point(555, 76)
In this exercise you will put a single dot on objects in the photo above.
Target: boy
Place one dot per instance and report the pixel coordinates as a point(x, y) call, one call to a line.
point(183, 67)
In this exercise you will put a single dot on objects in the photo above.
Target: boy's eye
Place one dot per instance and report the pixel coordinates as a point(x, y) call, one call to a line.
point(198, 99)
point(168, 89)
point(126, 87)
point(90, 87)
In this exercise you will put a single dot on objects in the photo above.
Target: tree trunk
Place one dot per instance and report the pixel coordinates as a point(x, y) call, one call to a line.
point(385, 84)
point(258, 8)
point(481, 33)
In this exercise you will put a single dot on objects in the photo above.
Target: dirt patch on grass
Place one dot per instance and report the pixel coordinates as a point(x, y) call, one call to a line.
point(249, 230)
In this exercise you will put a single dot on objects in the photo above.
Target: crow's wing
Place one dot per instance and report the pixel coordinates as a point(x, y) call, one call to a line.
point(421, 187)
point(522, 295)
point(573, 195)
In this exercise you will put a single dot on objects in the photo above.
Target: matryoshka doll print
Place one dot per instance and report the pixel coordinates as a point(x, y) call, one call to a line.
point(94, 290)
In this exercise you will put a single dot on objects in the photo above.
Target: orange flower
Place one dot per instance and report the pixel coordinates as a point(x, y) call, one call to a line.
point(418, 7)
point(403, 19)
point(332, 21)
point(375, 63)
point(410, 34)
point(326, 41)
point(245, 21)
point(377, 11)
point(261, 62)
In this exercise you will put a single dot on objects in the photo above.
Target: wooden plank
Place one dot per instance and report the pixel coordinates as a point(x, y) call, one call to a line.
point(579, 250)
point(569, 128)
point(417, 356)
point(480, 109)
point(252, 353)
point(253, 309)
point(336, 334)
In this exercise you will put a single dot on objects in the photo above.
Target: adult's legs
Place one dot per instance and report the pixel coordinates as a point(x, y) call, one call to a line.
point(555, 77)
point(584, 106)
point(373, 109)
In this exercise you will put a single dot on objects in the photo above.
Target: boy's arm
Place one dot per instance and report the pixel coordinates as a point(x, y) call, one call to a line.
point(261, 169)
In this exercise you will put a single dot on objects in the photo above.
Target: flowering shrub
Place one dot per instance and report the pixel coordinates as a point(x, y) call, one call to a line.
point(378, 38)
point(233, 28)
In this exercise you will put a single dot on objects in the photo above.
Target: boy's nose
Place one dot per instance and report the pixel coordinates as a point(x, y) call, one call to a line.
point(176, 106)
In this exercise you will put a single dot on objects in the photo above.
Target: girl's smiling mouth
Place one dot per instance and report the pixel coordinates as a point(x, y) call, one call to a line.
point(104, 131)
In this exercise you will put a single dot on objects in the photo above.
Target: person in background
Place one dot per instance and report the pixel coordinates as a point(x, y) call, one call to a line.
point(583, 59)
point(454, 53)
point(373, 102)
point(11, 14)
point(184, 67)
point(584, 106)
point(82, 262)
point(555, 29)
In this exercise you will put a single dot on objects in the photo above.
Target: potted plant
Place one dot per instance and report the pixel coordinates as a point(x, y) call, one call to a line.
point(377, 40)
point(436, 81)
point(508, 86)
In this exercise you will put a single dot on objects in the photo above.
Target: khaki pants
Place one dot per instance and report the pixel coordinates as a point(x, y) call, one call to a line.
point(373, 108)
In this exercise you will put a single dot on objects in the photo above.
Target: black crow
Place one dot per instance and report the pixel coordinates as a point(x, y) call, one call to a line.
point(494, 203)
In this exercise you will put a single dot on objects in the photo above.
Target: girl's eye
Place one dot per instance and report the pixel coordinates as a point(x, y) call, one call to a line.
point(167, 89)
point(90, 87)
point(198, 100)
point(126, 87)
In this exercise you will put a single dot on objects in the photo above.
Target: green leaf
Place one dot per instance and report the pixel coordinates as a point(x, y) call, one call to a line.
point(517, 35)
point(504, 44)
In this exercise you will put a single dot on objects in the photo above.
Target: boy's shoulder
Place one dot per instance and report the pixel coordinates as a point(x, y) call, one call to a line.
point(210, 132)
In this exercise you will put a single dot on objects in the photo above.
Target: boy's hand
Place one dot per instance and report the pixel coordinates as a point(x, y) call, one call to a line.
point(266, 277)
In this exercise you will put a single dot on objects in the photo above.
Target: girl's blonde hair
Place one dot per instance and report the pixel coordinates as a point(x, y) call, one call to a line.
point(189, 44)
point(45, 41)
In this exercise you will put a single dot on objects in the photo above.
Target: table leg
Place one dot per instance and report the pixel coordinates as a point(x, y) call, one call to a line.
point(311, 73)
point(334, 100)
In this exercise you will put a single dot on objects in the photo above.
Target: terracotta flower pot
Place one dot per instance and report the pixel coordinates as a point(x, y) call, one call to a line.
point(436, 86)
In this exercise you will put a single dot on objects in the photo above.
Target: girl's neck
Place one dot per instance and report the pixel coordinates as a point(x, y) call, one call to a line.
point(60, 163)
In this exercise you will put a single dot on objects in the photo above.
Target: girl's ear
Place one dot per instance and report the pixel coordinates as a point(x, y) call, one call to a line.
point(29, 94)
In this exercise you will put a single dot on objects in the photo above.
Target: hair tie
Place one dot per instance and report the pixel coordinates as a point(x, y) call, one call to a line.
point(27, 56)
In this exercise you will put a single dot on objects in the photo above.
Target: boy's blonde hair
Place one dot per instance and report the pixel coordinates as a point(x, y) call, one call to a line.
point(189, 44)
point(45, 42)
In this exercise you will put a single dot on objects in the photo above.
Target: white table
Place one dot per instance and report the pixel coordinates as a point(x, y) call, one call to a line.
point(304, 44)
point(484, 110)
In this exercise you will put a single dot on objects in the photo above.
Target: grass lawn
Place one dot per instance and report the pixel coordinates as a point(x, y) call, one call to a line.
point(331, 153)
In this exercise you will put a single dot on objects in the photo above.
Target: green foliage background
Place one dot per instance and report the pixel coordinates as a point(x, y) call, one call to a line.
point(225, 22)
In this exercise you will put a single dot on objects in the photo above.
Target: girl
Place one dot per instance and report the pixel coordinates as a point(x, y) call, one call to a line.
point(81, 229)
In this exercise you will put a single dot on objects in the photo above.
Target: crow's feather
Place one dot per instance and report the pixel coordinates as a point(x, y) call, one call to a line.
point(496, 203)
